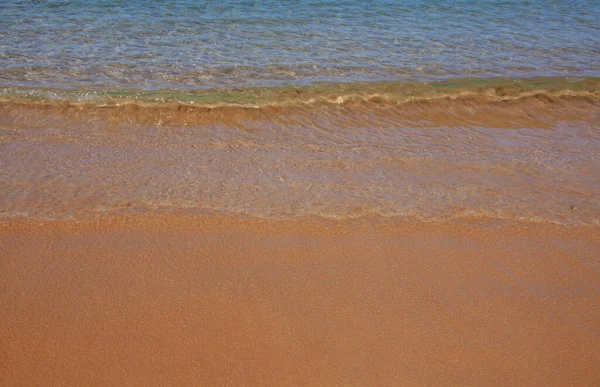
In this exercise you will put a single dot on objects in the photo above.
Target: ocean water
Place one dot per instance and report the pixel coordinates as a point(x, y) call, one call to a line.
point(190, 45)
point(425, 109)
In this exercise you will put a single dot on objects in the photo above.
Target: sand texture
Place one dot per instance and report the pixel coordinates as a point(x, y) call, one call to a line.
point(220, 300)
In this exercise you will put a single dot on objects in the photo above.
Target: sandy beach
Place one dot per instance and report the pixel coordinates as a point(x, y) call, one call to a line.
point(223, 300)
point(299, 193)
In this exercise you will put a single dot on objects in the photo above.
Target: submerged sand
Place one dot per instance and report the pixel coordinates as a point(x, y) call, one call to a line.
point(221, 300)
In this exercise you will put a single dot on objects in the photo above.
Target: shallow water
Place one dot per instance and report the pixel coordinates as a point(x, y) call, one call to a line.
point(111, 44)
point(532, 158)
point(428, 110)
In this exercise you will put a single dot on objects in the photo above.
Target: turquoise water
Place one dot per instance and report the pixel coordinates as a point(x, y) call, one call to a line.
point(190, 45)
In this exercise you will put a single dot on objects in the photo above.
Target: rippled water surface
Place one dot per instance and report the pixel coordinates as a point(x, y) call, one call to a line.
point(206, 44)
point(432, 110)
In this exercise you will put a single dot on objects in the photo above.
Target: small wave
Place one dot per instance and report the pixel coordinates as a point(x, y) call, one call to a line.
point(526, 103)
point(390, 93)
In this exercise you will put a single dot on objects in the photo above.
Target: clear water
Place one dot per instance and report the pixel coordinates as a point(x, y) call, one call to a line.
point(432, 110)
point(174, 45)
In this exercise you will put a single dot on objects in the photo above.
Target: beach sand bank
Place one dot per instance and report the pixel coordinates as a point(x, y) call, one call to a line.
point(220, 300)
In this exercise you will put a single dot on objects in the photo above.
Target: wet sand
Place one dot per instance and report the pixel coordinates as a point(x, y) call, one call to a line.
point(218, 300)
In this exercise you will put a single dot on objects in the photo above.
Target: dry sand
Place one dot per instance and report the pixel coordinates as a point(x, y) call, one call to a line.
point(219, 300)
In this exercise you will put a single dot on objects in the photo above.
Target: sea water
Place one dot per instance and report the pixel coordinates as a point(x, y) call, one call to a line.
point(189, 45)
point(425, 109)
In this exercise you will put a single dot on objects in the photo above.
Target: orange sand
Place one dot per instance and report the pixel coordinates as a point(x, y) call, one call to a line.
point(227, 301)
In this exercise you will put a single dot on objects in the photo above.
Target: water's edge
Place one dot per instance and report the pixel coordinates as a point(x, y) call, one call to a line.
point(525, 149)
point(393, 93)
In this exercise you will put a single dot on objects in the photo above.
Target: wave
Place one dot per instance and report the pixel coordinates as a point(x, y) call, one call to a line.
point(480, 102)
point(392, 93)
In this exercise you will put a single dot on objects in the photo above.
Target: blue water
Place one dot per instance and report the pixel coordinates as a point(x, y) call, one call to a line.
point(189, 45)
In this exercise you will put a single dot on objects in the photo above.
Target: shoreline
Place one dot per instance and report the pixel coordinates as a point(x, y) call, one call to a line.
point(230, 300)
